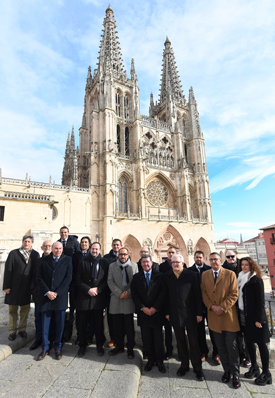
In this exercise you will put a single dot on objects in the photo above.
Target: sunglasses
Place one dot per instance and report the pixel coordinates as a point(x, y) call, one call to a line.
point(230, 256)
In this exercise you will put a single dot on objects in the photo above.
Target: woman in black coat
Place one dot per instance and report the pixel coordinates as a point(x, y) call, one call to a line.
point(253, 318)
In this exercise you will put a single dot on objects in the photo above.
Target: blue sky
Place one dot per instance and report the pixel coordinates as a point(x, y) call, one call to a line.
point(223, 48)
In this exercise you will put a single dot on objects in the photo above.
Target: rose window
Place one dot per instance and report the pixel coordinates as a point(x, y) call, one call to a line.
point(157, 193)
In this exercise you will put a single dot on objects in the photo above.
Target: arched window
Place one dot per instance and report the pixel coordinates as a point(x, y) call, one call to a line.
point(122, 196)
point(127, 146)
point(126, 108)
point(185, 151)
point(117, 104)
point(118, 138)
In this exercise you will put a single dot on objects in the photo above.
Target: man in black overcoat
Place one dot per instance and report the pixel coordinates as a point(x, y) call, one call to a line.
point(199, 267)
point(148, 294)
point(184, 310)
point(17, 285)
point(70, 246)
point(55, 275)
point(91, 299)
point(46, 248)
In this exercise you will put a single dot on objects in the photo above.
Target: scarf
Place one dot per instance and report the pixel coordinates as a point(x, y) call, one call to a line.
point(123, 266)
point(243, 278)
point(26, 254)
point(94, 268)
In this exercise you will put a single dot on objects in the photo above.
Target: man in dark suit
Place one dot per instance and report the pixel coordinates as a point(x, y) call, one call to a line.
point(70, 246)
point(91, 300)
point(165, 267)
point(17, 285)
point(55, 275)
point(46, 248)
point(148, 294)
point(111, 257)
point(85, 243)
point(184, 310)
point(199, 267)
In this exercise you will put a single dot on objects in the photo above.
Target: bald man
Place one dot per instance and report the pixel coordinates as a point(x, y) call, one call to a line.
point(55, 275)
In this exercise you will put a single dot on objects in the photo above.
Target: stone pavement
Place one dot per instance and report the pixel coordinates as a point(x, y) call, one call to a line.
point(21, 376)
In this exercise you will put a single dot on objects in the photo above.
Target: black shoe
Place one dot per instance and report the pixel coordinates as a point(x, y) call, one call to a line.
point(81, 351)
point(42, 355)
point(58, 354)
point(199, 375)
point(182, 371)
point(148, 366)
point(252, 373)
point(161, 367)
point(263, 379)
point(23, 334)
point(226, 377)
point(116, 351)
point(236, 382)
point(131, 354)
point(168, 355)
point(100, 351)
point(35, 345)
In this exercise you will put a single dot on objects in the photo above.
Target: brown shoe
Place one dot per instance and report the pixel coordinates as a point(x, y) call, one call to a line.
point(23, 334)
point(236, 382)
point(12, 336)
point(203, 357)
point(116, 351)
point(111, 344)
point(226, 377)
point(216, 359)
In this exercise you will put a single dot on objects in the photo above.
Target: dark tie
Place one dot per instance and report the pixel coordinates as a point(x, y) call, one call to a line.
point(64, 244)
point(147, 276)
point(84, 254)
point(55, 261)
point(216, 276)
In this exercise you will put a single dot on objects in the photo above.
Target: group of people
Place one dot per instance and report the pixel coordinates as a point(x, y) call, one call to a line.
point(228, 297)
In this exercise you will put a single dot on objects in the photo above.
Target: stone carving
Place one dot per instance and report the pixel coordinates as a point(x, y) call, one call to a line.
point(157, 193)
point(190, 247)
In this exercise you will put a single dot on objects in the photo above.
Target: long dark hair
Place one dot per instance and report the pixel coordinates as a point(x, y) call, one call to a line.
point(253, 266)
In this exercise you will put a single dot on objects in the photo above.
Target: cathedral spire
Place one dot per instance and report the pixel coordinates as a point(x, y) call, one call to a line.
point(110, 58)
point(68, 144)
point(170, 82)
point(194, 114)
point(72, 140)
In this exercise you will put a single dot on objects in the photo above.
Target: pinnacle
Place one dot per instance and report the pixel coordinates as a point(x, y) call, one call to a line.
point(170, 82)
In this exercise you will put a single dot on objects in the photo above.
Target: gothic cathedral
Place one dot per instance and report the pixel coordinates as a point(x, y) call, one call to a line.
point(147, 174)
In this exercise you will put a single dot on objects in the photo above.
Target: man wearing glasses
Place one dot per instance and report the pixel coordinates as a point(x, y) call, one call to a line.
point(184, 310)
point(220, 292)
point(231, 261)
point(122, 307)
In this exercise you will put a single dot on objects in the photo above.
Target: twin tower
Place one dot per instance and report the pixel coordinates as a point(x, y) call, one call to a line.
point(147, 174)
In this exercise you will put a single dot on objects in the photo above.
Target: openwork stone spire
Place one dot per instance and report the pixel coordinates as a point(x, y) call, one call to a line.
point(170, 82)
point(110, 58)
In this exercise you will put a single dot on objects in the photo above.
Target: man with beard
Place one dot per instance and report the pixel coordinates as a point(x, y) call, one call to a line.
point(55, 275)
point(17, 285)
point(199, 267)
point(46, 248)
point(111, 257)
point(91, 300)
point(184, 310)
point(122, 306)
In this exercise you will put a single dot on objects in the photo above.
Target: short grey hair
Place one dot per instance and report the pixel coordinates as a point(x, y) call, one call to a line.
point(178, 255)
point(28, 236)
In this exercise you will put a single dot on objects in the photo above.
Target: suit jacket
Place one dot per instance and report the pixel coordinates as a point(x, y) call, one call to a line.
point(111, 257)
point(72, 246)
point(85, 282)
point(204, 268)
point(184, 301)
point(224, 293)
point(149, 296)
point(56, 279)
point(18, 276)
point(34, 281)
point(118, 305)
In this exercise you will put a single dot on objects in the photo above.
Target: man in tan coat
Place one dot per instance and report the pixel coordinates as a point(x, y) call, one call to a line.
point(220, 293)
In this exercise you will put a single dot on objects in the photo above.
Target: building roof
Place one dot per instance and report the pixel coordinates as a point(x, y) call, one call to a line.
point(269, 227)
point(228, 240)
point(260, 236)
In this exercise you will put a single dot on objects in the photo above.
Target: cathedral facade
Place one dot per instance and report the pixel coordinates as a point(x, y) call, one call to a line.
point(147, 175)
